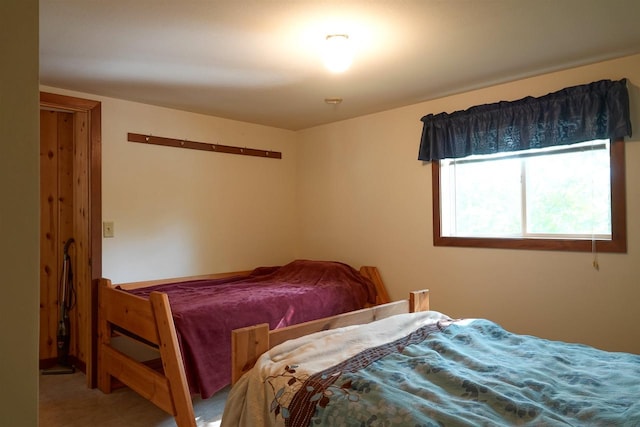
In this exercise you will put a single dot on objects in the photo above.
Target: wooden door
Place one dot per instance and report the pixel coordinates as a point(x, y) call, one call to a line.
point(83, 193)
point(64, 215)
point(56, 224)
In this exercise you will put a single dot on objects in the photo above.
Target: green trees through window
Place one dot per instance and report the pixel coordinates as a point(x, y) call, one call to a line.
point(558, 198)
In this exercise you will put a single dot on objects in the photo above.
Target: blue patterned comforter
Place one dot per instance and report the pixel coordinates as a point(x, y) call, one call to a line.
point(449, 373)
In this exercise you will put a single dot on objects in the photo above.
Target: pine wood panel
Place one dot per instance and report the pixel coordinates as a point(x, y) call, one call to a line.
point(89, 122)
point(56, 200)
point(81, 217)
point(49, 269)
point(63, 199)
point(65, 208)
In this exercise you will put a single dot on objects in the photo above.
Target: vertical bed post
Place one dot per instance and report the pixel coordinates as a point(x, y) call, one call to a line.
point(247, 344)
point(172, 360)
point(104, 335)
point(419, 301)
point(372, 273)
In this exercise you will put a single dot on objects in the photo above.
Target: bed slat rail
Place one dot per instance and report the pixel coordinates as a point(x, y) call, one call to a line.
point(146, 283)
point(129, 312)
point(143, 380)
point(357, 317)
point(247, 344)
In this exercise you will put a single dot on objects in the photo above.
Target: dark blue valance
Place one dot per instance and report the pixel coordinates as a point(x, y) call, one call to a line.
point(598, 110)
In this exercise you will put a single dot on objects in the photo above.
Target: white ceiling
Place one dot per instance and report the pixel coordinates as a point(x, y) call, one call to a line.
point(259, 61)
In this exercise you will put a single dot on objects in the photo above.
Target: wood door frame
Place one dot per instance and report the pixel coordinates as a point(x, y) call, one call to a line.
point(94, 111)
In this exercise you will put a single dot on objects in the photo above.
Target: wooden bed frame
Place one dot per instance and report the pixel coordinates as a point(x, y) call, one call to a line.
point(247, 344)
point(150, 322)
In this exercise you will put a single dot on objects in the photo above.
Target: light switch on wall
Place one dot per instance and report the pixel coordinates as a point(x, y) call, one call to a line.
point(107, 229)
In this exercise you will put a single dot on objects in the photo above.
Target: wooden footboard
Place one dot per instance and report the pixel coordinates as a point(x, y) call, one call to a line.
point(247, 344)
point(150, 322)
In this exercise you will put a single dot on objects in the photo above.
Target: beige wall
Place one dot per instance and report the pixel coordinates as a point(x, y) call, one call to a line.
point(365, 198)
point(180, 212)
point(19, 213)
point(352, 191)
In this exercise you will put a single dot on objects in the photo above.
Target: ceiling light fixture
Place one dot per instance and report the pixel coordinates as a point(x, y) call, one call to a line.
point(338, 55)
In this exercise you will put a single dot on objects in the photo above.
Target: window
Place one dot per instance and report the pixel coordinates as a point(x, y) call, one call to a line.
point(567, 197)
point(547, 182)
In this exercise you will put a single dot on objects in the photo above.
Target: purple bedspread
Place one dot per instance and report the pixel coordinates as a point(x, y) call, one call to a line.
point(206, 311)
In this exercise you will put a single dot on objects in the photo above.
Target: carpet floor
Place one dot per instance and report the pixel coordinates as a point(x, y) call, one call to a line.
point(65, 401)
